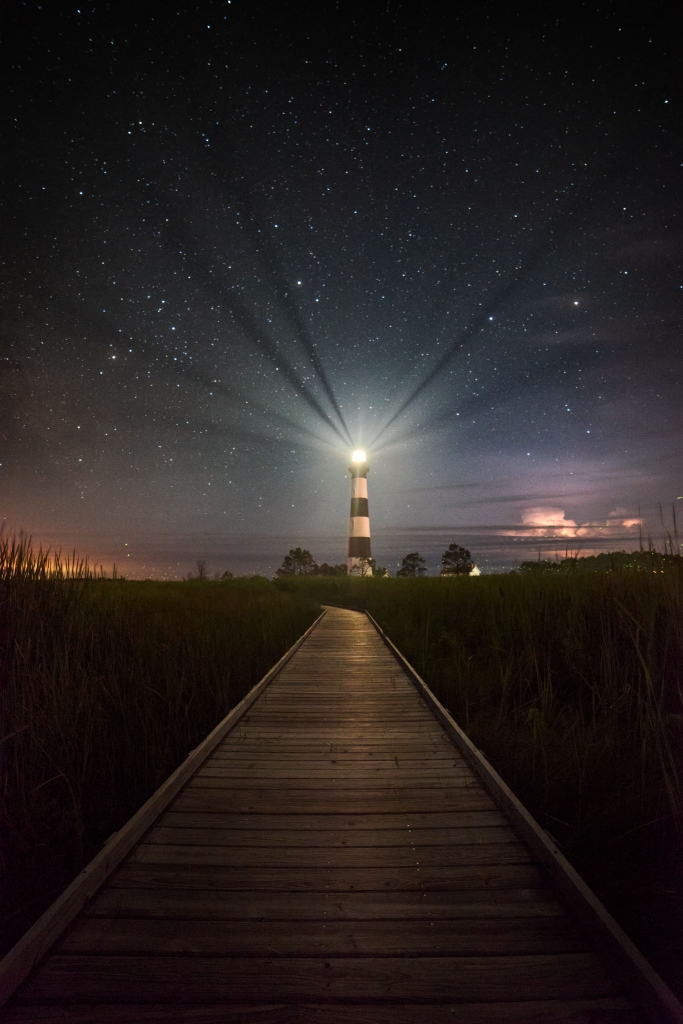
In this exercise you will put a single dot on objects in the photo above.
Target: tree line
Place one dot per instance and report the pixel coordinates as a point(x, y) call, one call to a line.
point(455, 561)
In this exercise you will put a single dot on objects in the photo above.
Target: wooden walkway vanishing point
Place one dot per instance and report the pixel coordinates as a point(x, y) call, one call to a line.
point(328, 854)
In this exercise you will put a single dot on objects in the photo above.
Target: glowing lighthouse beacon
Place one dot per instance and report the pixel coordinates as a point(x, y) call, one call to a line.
point(359, 523)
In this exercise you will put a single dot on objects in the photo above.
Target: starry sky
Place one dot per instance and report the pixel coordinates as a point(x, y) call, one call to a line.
point(240, 240)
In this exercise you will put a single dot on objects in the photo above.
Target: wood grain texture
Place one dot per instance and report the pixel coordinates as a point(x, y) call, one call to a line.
point(295, 879)
point(319, 778)
point(608, 1010)
point(334, 822)
point(441, 937)
point(245, 905)
point(334, 858)
point(329, 838)
point(197, 797)
point(289, 979)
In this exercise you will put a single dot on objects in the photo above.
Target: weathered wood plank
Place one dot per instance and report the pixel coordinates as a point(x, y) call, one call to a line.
point(202, 798)
point(329, 839)
point(365, 735)
point(237, 754)
point(425, 879)
point(607, 1010)
point(272, 748)
point(332, 857)
point(333, 822)
point(257, 979)
point(214, 905)
point(456, 778)
point(319, 778)
point(441, 937)
point(406, 721)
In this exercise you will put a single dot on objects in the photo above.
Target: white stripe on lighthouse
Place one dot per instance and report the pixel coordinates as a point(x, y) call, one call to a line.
point(359, 487)
point(359, 526)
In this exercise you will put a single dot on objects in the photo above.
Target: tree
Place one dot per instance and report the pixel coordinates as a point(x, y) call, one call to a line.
point(227, 575)
point(329, 570)
point(202, 571)
point(367, 567)
point(412, 565)
point(456, 561)
point(298, 562)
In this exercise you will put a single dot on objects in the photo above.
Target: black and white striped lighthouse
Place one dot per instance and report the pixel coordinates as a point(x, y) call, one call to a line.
point(359, 523)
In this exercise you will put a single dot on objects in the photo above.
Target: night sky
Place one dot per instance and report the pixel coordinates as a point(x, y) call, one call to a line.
point(239, 240)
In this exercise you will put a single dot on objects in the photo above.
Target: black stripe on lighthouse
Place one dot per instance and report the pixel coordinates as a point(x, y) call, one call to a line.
point(359, 547)
point(359, 507)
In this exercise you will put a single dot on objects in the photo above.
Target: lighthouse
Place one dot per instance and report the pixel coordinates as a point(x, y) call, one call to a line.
point(359, 523)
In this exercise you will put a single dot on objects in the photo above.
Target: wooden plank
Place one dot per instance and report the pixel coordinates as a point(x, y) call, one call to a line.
point(274, 771)
point(200, 798)
point(655, 997)
point(349, 762)
point(301, 719)
point(331, 857)
point(334, 822)
point(606, 1010)
point(257, 979)
point(441, 937)
point(299, 710)
point(214, 776)
point(213, 905)
point(282, 699)
point(424, 879)
point(340, 734)
point(329, 838)
point(270, 748)
point(22, 958)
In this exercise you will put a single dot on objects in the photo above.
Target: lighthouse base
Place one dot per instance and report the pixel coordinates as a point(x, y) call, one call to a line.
point(358, 566)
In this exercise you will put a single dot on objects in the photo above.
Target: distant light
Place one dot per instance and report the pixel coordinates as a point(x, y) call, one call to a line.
point(358, 455)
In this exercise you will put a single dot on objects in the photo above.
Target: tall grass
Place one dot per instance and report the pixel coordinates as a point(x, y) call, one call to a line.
point(572, 685)
point(105, 687)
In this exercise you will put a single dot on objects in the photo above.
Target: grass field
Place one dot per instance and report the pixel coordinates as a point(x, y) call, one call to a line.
point(572, 685)
point(106, 686)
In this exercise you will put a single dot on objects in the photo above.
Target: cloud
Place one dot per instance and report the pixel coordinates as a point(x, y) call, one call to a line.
point(613, 526)
point(549, 521)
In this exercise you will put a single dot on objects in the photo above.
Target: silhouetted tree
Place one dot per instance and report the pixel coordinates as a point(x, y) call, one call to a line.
point(412, 565)
point(227, 575)
point(298, 562)
point(456, 561)
point(329, 570)
point(368, 567)
point(202, 570)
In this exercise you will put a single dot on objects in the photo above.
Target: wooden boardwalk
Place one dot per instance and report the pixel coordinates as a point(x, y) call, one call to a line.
point(334, 859)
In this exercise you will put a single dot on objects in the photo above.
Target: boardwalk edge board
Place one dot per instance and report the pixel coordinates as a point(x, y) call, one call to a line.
point(32, 947)
point(654, 997)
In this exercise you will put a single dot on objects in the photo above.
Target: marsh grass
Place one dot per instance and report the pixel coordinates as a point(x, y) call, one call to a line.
point(571, 684)
point(105, 687)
